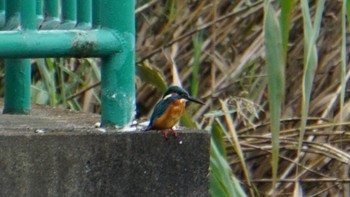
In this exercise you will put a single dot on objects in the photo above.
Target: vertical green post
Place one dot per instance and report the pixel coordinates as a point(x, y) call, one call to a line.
point(51, 15)
point(118, 71)
point(39, 7)
point(51, 9)
point(2, 13)
point(18, 71)
point(69, 14)
point(39, 12)
point(28, 15)
point(84, 14)
point(96, 13)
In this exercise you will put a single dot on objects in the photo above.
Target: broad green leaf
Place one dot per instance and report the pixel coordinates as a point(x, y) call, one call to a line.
point(276, 78)
point(151, 76)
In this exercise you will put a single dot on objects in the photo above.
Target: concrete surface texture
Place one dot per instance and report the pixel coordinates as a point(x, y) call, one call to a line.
point(60, 153)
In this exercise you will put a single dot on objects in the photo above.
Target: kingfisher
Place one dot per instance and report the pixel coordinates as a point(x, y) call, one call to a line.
point(169, 110)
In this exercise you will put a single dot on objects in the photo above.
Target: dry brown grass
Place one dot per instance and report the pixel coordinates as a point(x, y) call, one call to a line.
point(232, 66)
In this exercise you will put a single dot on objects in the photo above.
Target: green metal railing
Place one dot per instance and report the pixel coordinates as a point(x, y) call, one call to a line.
point(85, 28)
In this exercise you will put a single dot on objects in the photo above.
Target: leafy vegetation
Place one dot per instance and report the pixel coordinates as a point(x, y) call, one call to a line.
point(274, 77)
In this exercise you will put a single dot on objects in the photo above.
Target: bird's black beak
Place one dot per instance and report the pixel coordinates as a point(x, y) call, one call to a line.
point(195, 100)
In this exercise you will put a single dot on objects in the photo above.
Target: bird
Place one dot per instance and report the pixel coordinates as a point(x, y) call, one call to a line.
point(169, 110)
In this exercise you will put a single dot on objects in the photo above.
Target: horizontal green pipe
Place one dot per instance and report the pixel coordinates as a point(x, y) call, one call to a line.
point(59, 43)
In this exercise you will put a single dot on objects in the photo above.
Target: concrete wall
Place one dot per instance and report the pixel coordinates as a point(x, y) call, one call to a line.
point(75, 159)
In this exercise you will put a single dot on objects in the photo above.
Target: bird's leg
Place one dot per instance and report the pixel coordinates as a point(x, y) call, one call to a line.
point(165, 134)
point(174, 132)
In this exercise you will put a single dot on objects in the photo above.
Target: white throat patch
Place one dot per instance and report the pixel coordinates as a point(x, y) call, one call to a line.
point(183, 100)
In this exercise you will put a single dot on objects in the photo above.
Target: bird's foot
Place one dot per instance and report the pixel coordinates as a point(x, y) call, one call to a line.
point(174, 133)
point(165, 134)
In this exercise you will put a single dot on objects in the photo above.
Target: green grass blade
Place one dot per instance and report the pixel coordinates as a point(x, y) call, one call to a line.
point(275, 73)
point(221, 179)
point(217, 135)
point(171, 9)
point(285, 20)
point(237, 146)
point(61, 80)
point(197, 50)
point(345, 10)
point(186, 121)
point(47, 72)
point(310, 60)
point(347, 4)
point(39, 93)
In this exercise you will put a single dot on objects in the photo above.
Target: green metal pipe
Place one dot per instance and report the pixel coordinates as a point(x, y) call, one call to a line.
point(12, 8)
point(2, 13)
point(118, 71)
point(18, 71)
point(51, 20)
point(84, 14)
point(12, 14)
point(59, 43)
point(17, 86)
point(28, 14)
point(69, 14)
point(39, 12)
point(51, 8)
point(2, 6)
point(39, 7)
point(96, 13)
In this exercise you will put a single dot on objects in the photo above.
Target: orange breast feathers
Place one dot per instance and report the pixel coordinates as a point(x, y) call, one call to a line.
point(171, 115)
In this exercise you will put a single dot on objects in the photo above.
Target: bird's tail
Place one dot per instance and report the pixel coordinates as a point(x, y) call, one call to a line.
point(149, 127)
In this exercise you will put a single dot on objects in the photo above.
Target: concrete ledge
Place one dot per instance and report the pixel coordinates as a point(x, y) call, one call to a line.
point(72, 158)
